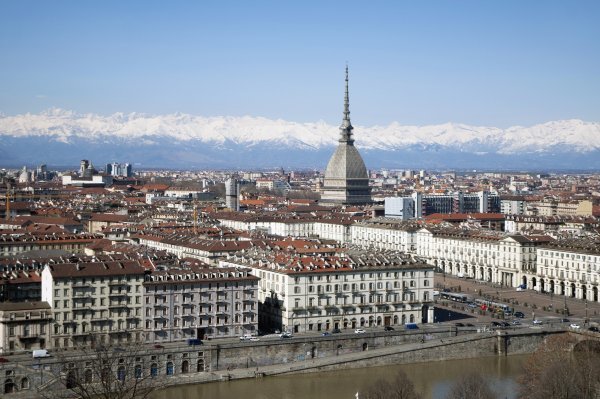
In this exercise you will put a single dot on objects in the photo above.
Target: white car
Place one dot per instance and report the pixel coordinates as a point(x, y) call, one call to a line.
point(246, 337)
point(254, 339)
point(359, 331)
point(536, 321)
point(575, 326)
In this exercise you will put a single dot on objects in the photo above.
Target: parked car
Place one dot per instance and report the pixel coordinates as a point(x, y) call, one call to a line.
point(38, 353)
point(565, 320)
point(575, 326)
point(470, 325)
point(246, 337)
point(520, 315)
point(505, 324)
point(496, 324)
point(459, 324)
point(194, 341)
point(254, 339)
point(388, 328)
point(594, 329)
point(516, 322)
point(286, 334)
point(326, 334)
point(336, 331)
point(536, 321)
point(359, 331)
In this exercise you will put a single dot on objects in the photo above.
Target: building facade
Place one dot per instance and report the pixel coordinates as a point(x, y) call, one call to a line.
point(184, 304)
point(24, 326)
point(358, 289)
point(94, 302)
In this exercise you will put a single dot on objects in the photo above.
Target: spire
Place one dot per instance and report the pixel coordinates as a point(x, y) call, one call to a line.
point(346, 126)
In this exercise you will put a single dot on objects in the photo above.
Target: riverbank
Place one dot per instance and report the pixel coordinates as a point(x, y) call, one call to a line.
point(468, 346)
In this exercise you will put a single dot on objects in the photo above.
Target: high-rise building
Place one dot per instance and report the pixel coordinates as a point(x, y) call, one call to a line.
point(232, 194)
point(346, 179)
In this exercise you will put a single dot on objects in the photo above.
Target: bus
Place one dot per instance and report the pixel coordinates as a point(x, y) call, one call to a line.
point(455, 296)
point(485, 304)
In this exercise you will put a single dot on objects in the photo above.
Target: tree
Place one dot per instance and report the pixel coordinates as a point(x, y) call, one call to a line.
point(400, 388)
point(471, 386)
point(105, 372)
point(562, 368)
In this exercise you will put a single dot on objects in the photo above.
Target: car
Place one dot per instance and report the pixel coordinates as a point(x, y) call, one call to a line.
point(520, 315)
point(473, 305)
point(505, 324)
point(565, 320)
point(286, 334)
point(336, 331)
point(496, 324)
point(254, 339)
point(459, 324)
point(246, 337)
point(388, 328)
point(326, 334)
point(516, 322)
point(359, 331)
point(594, 329)
point(574, 326)
point(470, 325)
point(536, 321)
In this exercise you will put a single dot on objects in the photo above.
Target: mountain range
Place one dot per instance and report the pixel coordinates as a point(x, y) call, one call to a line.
point(61, 137)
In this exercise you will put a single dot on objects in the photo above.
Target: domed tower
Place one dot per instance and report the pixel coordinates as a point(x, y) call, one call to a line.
point(346, 179)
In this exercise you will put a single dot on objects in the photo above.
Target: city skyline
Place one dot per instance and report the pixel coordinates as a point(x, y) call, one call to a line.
point(471, 63)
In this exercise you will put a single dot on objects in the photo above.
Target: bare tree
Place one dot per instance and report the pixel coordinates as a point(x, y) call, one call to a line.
point(104, 372)
point(562, 368)
point(471, 386)
point(401, 387)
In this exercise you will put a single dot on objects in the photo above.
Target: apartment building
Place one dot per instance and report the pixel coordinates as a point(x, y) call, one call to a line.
point(94, 302)
point(191, 246)
point(24, 326)
point(199, 302)
point(484, 255)
point(385, 233)
point(16, 244)
point(569, 268)
point(348, 290)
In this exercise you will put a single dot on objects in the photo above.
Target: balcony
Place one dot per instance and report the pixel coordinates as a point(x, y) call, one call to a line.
point(117, 294)
point(29, 337)
point(123, 305)
point(118, 283)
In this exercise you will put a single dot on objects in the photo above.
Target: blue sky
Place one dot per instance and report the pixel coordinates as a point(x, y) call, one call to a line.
point(496, 63)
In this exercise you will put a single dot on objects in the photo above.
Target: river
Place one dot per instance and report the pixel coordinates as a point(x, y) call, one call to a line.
point(432, 380)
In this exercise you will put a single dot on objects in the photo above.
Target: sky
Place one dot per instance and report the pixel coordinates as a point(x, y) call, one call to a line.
point(489, 63)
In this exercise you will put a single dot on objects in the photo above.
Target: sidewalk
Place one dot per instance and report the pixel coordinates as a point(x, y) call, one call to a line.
point(546, 305)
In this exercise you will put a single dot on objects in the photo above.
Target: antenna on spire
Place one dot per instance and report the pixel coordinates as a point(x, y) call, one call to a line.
point(346, 127)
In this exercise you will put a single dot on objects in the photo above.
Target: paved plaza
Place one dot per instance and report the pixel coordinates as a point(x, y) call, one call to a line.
point(530, 302)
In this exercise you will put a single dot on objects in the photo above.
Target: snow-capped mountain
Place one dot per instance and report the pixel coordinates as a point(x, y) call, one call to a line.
point(63, 137)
